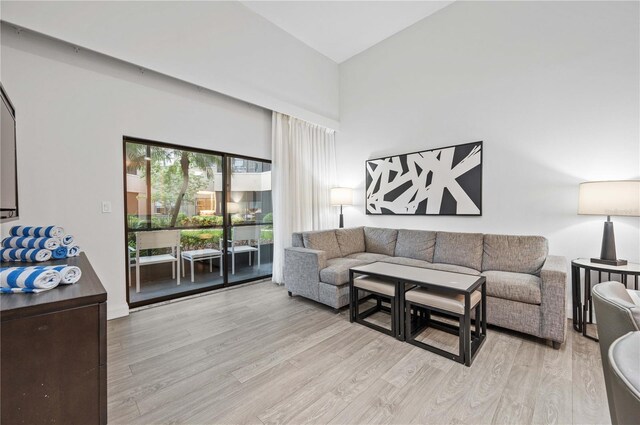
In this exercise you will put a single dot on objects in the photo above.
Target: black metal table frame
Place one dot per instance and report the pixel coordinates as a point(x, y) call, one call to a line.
point(583, 309)
point(356, 316)
point(468, 345)
point(401, 284)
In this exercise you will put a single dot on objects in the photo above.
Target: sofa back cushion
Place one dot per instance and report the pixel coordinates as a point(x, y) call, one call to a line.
point(380, 241)
point(462, 249)
point(296, 240)
point(416, 244)
point(323, 240)
point(512, 253)
point(350, 241)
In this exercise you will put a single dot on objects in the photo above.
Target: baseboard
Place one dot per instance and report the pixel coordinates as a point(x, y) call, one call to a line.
point(117, 310)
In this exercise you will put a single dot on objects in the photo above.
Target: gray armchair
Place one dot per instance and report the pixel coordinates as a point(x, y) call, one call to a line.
point(624, 358)
point(617, 315)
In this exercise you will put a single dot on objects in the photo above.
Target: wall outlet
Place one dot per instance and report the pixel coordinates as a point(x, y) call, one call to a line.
point(106, 207)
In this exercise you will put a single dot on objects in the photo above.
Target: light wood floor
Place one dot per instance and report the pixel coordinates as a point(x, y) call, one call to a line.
point(254, 355)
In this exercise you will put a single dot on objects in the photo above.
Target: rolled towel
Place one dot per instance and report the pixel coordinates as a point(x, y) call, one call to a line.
point(17, 279)
point(23, 254)
point(73, 251)
point(38, 232)
point(59, 252)
point(67, 240)
point(29, 242)
point(70, 274)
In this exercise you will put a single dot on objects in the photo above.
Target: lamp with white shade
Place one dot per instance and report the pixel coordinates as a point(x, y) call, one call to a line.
point(341, 196)
point(618, 198)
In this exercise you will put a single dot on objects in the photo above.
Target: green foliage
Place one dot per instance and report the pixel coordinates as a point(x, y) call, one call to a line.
point(199, 239)
point(236, 219)
point(268, 218)
point(166, 184)
point(201, 221)
point(167, 176)
point(266, 235)
point(157, 222)
point(162, 221)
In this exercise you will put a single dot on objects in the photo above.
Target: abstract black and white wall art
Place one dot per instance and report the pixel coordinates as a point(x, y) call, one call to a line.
point(444, 181)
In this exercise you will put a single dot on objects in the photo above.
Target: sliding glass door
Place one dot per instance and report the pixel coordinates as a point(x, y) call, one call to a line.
point(196, 200)
point(250, 245)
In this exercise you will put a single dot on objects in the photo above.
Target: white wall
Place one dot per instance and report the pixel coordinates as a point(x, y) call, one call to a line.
point(72, 111)
point(220, 45)
point(552, 88)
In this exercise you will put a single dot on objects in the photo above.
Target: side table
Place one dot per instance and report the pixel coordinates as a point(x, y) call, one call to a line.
point(581, 300)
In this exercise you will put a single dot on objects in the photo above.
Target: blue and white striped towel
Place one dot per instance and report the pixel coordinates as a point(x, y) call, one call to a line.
point(28, 279)
point(67, 240)
point(37, 231)
point(23, 254)
point(59, 253)
point(70, 274)
point(73, 251)
point(29, 242)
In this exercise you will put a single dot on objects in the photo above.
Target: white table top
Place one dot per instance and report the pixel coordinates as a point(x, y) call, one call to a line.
point(628, 268)
point(459, 281)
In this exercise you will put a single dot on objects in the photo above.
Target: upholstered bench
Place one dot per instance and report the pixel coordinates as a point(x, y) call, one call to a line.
point(380, 289)
point(449, 305)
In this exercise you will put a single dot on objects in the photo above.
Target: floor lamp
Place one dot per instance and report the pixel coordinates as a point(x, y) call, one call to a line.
point(618, 198)
point(341, 196)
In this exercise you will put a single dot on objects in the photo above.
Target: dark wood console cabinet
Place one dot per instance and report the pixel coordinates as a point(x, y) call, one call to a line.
point(53, 353)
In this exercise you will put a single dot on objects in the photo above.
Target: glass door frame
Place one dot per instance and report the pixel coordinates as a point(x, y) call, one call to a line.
point(226, 223)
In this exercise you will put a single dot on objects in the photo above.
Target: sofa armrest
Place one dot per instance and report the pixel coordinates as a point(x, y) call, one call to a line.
point(554, 289)
point(302, 271)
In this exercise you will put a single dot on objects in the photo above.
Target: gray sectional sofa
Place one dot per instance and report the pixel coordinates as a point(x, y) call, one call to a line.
point(525, 285)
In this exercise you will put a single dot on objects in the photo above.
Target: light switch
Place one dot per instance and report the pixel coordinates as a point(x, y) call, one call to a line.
point(106, 207)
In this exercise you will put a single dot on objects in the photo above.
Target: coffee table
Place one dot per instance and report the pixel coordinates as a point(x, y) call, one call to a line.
point(442, 281)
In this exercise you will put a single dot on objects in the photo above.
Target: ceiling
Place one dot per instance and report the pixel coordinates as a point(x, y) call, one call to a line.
point(342, 29)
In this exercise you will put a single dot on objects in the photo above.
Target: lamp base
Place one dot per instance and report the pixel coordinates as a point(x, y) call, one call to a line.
point(609, 262)
point(608, 251)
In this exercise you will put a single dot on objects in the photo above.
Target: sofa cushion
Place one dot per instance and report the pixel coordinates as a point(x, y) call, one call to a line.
point(518, 254)
point(323, 240)
point(428, 265)
point(337, 270)
point(453, 268)
point(380, 241)
point(350, 241)
point(417, 244)
point(407, 261)
point(368, 256)
point(296, 240)
point(462, 249)
point(521, 287)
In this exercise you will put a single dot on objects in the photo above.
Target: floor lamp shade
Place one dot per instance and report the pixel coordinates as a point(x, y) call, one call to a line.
point(341, 196)
point(617, 198)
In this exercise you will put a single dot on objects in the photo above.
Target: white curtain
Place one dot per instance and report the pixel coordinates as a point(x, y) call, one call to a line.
point(303, 172)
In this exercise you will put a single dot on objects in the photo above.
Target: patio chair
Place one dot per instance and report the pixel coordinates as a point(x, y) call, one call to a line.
point(249, 234)
point(155, 240)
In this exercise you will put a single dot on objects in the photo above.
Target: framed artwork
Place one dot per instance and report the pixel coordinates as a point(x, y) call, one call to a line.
point(442, 181)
